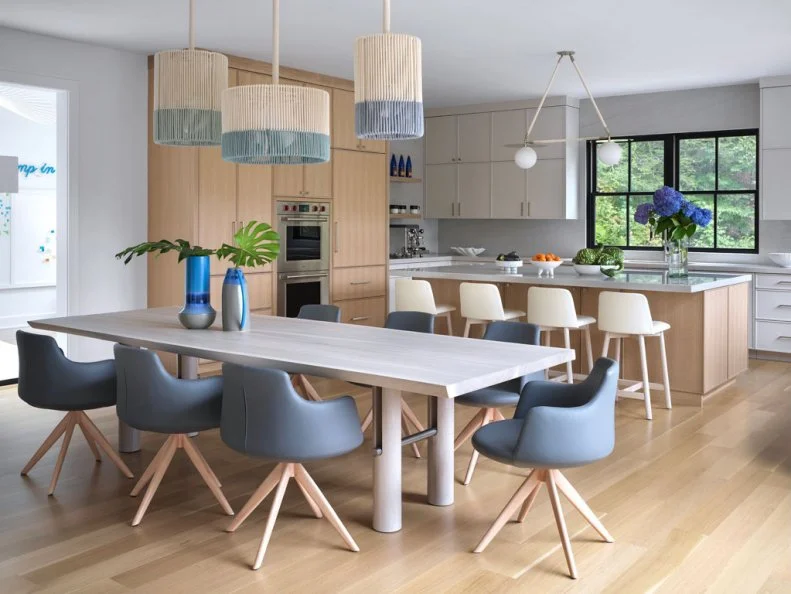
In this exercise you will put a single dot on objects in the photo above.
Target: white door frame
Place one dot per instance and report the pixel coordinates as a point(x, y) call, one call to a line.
point(67, 192)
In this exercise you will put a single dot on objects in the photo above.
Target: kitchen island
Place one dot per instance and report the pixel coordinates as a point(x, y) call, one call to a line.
point(707, 344)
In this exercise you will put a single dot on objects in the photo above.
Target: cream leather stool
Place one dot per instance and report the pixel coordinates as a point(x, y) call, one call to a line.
point(416, 295)
point(481, 304)
point(622, 315)
point(553, 309)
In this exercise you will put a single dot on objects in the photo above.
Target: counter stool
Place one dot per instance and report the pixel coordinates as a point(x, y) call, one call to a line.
point(263, 416)
point(318, 313)
point(553, 309)
point(555, 426)
point(416, 295)
point(47, 379)
point(481, 303)
point(410, 321)
point(150, 399)
point(624, 315)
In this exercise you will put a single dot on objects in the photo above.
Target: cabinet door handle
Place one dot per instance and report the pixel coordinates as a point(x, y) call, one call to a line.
point(528, 209)
point(459, 209)
point(360, 318)
point(335, 237)
point(784, 282)
point(453, 209)
point(783, 306)
point(233, 229)
point(521, 209)
point(353, 283)
point(784, 338)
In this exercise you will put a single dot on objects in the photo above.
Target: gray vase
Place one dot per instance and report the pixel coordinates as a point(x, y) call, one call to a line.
point(235, 302)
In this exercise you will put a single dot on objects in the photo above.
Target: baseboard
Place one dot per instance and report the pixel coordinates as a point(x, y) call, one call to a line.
point(770, 356)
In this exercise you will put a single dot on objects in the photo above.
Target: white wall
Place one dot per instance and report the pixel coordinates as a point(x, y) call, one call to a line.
point(717, 108)
point(107, 154)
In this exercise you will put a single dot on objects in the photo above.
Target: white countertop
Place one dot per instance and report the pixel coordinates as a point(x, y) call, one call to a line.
point(631, 279)
point(749, 268)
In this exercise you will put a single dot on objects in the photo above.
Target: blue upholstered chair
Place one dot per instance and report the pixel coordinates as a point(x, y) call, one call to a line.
point(47, 379)
point(317, 313)
point(150, 399)
point(488, 400)
point(409, 321)
point(555, 426)
point(263, 416)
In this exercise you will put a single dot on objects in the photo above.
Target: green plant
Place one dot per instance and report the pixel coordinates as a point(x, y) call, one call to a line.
point(257, 244)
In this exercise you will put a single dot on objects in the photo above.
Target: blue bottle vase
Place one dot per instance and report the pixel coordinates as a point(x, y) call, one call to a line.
point(235, 301)
point(197, 312)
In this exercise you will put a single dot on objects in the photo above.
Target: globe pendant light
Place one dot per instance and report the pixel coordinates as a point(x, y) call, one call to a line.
point(608, 152)
point(188, 86)
point(388, 85)
point(275, 124)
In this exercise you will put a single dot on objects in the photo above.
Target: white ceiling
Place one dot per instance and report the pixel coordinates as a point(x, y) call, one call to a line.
point(473, 50)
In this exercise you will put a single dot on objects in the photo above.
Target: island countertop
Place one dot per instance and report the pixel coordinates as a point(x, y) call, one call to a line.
point(565, 276)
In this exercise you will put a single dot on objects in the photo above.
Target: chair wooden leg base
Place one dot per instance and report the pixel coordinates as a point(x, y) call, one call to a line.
point(484, 417)
point(66, 427)
point(526, 495)
point(279, 477)
point(152, 476)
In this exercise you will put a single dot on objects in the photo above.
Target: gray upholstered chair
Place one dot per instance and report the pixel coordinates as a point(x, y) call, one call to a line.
point(409, 321)
point(318, 313)
point(47, 379)
point(150, 399)
point(555, 426)
point(263, 416)
point(488, 400)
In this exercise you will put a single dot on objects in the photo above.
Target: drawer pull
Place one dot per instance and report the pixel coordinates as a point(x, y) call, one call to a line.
point(784, 282)
point(360, 318)
point(354, 283)
point(784, 338)
point(783, 306)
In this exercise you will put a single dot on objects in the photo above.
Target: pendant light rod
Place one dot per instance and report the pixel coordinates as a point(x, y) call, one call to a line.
point(544, 98)
point(192, 25)
point(386, 16)
point(590, 95)
point(275, 42)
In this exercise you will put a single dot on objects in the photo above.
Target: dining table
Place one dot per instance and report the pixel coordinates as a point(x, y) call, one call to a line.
point(392, 362)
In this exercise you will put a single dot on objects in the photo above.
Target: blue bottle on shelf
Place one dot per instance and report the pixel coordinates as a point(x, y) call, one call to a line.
point(408, 166)
point(401, 166)
point(393, 166)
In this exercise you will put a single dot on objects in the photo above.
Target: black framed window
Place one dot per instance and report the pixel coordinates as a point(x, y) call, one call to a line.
point(716, 170)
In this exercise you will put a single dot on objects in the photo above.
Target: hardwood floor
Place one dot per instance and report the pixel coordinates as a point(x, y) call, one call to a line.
point(697, 500)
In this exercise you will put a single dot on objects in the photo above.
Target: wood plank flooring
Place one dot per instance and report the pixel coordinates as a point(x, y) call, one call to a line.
point(697, 500)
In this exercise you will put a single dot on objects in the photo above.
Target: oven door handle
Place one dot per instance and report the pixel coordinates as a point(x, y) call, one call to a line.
point(310, 275)
point(306, 220)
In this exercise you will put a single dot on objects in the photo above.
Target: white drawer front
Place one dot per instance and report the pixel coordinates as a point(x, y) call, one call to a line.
point(773, 305)
point(773, 336)
point(773, 281)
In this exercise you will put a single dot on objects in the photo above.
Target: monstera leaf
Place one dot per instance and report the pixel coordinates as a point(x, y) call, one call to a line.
point(257, 244)
point(163, 246)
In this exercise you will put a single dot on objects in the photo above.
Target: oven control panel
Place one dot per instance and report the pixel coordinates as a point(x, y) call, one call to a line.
point(302, 208)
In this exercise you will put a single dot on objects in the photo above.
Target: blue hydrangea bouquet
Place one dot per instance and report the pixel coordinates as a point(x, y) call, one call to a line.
point(675, 219)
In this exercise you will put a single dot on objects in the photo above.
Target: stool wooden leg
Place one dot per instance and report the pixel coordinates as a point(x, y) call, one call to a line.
point(467, 328)
point(68, 432)
point(606, 346)
point(48, 443)
point(547, 342)
point(516, 500)
point(618, 347)
point(646, 383)
point(561, 522)
point(665, 373)
point(449, 321)
point(367, 419)
point(569, 369)
point(588, 348)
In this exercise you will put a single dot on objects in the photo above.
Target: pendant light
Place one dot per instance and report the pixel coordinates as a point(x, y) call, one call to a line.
point(388, 85)
point(275, 124)
point(188, 86)
point(608, 152)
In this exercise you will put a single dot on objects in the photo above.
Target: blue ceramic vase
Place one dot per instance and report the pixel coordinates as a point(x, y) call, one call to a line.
point(235, 302)
point(197, 312)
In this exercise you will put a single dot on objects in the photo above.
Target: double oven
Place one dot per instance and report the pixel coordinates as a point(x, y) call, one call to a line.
point(303, 266)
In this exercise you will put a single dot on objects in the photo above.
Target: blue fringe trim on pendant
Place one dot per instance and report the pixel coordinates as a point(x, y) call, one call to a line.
point(275, 147)
point(187, 127)
point(388, 120)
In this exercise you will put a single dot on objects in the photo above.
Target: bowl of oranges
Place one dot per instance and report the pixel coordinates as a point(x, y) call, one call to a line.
point(546, 264)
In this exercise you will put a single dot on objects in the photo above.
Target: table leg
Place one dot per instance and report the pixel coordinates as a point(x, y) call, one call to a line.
point(128, 438)
point(440, 452)
point(387, 465)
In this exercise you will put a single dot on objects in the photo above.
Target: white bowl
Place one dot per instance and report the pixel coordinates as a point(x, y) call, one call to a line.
point(591, 269)
point(510, 266)
point(781, 259)
point(546, 268)
point(468, 251)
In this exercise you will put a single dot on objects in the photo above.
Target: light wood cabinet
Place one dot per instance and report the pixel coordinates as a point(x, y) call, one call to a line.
point(259, 291)
point(303, 181)
point(216, 198)
point(343, 131)
point(441, 182)
point(356, 283)
point(364, 312)
point(359, 210)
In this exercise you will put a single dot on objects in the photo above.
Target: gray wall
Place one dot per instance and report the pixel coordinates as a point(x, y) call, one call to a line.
point(717, 108)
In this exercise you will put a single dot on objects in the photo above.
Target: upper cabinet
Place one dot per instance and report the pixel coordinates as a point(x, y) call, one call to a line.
point(343, 135)
point(775, 154)
point(303, 181)
point(470, 171)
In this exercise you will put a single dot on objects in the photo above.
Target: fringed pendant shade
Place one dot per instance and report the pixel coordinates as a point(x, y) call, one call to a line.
point(388, 85)
point(188, 87)
point(275, 124)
